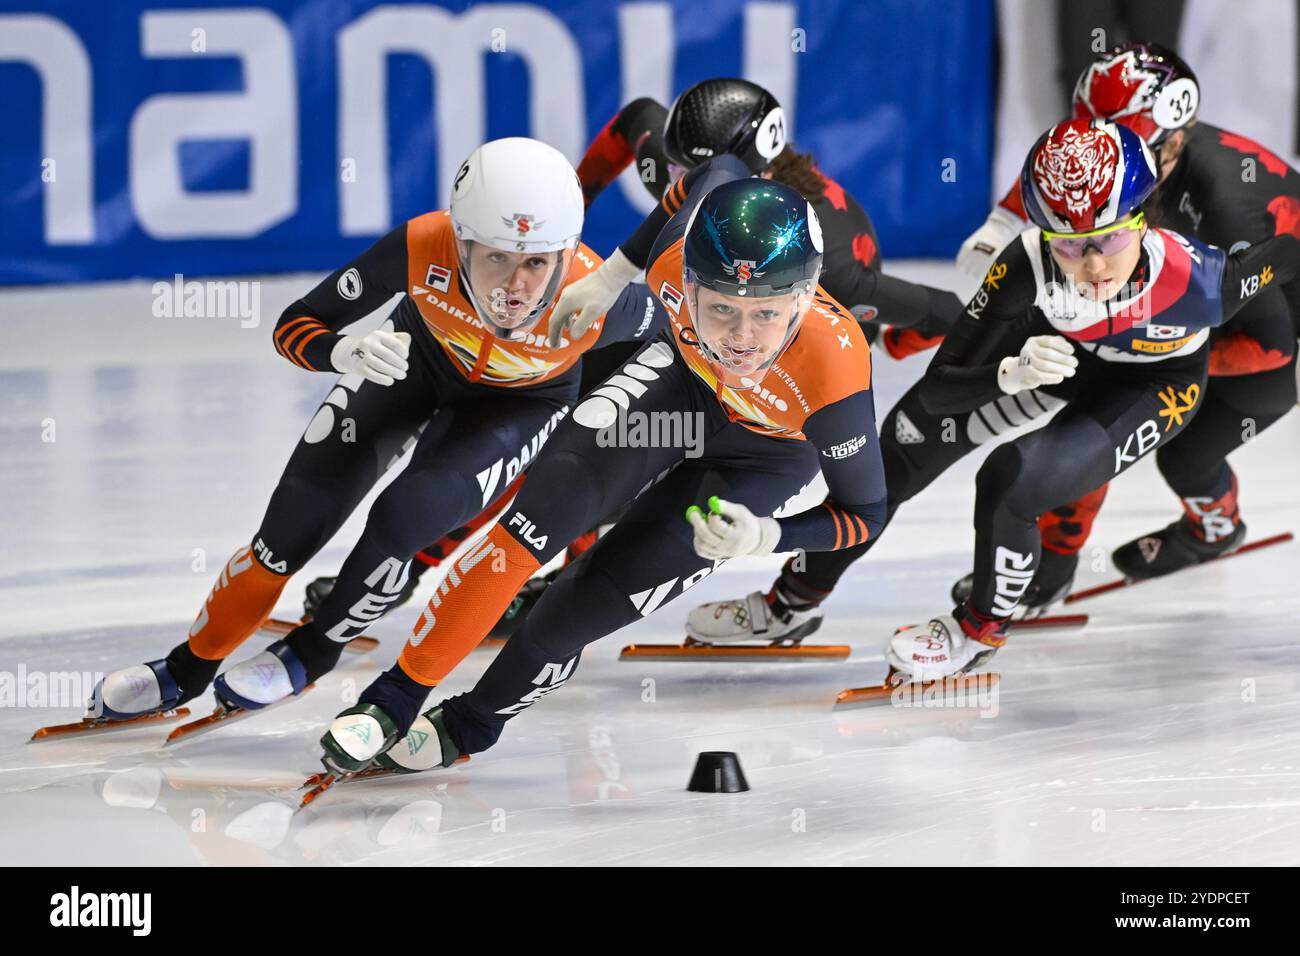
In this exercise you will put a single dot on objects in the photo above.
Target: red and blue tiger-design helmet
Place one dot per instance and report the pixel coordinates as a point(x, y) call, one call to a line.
point(1086, 174)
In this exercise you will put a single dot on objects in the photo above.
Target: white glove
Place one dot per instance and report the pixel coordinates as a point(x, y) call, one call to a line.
point(1043, 360)
point(731, 530)
point(983, 246)
point(583, 302)
point(377, 356)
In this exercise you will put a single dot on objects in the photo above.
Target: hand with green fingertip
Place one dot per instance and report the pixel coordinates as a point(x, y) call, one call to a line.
point(715, 506)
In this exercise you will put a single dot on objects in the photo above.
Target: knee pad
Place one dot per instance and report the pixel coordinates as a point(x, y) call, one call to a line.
point(1189, 473)
point(301, 516)
point(574, 501)
point(418, 509)
point(996, 484)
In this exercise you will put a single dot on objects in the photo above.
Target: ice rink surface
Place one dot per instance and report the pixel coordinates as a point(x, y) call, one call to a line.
point(139, 452)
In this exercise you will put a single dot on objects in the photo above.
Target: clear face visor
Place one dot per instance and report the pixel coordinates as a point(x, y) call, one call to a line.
point(741, 336)
point(511, 291)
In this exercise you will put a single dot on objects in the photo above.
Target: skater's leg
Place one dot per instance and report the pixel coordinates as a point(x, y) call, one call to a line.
point(357, 432)
point(1109, 426)
point(335, 462)
point(429, 557)
point(468, 450)
point(596, 366)
point(647, 560)
point(1237, 409)
point(916, 447)
point(581, 476)
point(1103, 432)
point(459, 459)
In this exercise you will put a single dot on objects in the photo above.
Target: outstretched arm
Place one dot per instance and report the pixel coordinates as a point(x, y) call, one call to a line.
point(309, 330)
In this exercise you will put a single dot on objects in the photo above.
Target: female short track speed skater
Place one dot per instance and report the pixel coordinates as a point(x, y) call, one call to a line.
point(1226, 190)
point(459, 377)
point(776, 376)
point(1113, 318)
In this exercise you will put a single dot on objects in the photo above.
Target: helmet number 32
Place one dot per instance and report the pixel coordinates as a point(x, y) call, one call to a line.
point(1176, 104)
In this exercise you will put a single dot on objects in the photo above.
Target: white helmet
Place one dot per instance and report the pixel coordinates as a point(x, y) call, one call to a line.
point(520, 197)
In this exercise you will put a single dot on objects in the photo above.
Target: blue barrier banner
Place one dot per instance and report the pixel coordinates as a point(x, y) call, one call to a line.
point(147, 139)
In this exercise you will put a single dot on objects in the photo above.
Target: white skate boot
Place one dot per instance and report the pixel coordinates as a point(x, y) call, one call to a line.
point(142, 693)
point(752, 620)
point(947, 644)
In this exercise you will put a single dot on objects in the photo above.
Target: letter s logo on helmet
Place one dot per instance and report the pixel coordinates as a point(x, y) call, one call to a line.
point(1086, 174)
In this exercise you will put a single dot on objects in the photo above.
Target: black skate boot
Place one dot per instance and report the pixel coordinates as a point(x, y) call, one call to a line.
point(1171, 549)
point(1051, 585)
point(513, 617)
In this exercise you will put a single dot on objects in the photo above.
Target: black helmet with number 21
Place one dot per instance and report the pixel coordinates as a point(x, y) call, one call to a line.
point(725, 115)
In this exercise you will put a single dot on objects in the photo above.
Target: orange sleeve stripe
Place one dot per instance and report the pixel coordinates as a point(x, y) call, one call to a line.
point(850, 529)
point(292, 344)
point(289, 330)
point(297, 335)
point(298, 353)
point(862, 528)
point(283, 331)
point(674, 198)
point(839, 532)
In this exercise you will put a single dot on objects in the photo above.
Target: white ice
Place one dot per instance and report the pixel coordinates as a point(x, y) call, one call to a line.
point(139, 452)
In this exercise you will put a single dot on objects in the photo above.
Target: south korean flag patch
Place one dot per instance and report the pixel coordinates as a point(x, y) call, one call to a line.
point(438, 278)
point(1166, 331)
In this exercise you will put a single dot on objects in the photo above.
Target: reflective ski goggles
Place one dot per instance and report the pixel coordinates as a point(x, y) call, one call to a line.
point(1107, 240)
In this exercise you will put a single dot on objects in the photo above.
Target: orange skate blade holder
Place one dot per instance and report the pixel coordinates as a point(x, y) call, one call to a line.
point(897, 682)
point(221, 716)
point(101, 725)
point(280, 627)
point(321, 782)
point(692, 650)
